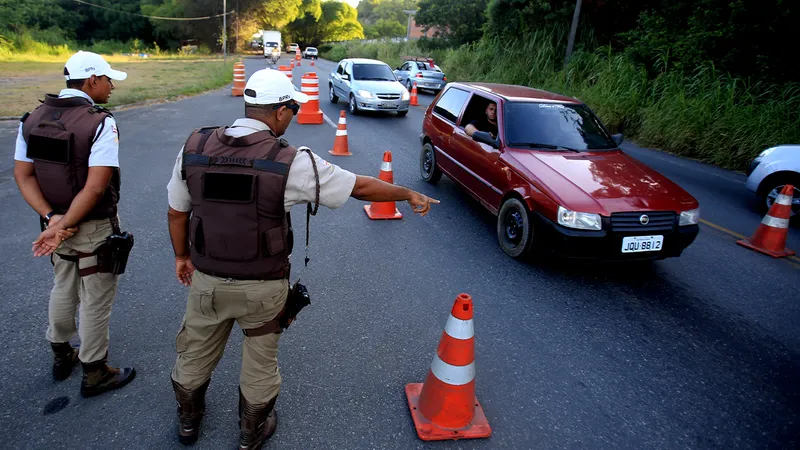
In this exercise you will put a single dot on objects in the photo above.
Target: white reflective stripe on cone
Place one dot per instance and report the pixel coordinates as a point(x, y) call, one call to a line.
point(342, 120)
point(341, 132)
point(313, 97)
point(310, 88)
point(775, 222)
point(784, 200)
point(386, 166)
point(452, 375)
point(459, 329)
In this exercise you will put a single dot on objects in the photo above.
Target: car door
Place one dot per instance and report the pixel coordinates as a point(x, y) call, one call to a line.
point(481, 161)
point(444, 116)
point(337, 79)
point(347, 83)
point(400, 73)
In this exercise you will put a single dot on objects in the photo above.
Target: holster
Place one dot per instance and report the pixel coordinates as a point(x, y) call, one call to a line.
point(298, 299)
point(113, 258)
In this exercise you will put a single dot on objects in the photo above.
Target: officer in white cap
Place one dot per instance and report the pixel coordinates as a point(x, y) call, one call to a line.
point(67, 169)
point(229, 200)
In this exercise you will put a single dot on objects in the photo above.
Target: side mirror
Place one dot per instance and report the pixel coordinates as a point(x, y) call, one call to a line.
point(346, 77)
point(485, 138)
point(618, 138)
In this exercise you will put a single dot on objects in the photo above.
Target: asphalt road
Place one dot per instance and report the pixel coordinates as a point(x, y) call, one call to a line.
point(699, 351)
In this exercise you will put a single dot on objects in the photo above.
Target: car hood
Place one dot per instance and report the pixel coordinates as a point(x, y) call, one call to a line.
point(602, 182)
point(378, 87)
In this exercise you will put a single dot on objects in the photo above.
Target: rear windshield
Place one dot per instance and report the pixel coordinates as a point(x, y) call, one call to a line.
point(573, 127)
point(311, 48)
point(375, 72)
point(271, 44)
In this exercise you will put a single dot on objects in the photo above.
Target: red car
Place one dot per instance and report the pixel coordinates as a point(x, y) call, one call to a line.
point(554, 175)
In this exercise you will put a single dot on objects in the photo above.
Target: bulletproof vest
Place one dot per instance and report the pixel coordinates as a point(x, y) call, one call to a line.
point(239, 227)
point(59, 135)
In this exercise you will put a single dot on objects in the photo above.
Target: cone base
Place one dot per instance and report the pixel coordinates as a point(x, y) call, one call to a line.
point(310, 118)
point(237, 93)
point(428, 431)
point(335, 153)
point(748, 244)
point(377, 216)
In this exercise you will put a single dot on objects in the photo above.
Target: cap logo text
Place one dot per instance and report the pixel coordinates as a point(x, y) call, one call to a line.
point(284, 98)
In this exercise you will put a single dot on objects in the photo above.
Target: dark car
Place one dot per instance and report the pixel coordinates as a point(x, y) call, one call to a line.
point(554, 176)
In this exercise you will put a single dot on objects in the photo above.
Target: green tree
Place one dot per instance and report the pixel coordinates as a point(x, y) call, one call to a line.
point(324, 22)
point(456, 20)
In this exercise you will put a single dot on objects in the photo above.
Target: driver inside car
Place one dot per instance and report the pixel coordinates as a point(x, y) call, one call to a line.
point(488, 123)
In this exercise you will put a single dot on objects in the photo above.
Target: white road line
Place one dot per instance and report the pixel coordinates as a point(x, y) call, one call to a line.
point(328, 119)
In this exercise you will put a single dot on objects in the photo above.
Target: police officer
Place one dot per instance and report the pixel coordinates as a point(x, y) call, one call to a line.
point(230, 194)
point(67, 169)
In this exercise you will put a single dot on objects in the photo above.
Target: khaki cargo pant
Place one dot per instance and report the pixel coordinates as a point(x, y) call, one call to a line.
point(93, 293)
point(214, 304)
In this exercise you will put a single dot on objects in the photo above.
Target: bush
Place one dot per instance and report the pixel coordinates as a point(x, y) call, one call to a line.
point(336, 53)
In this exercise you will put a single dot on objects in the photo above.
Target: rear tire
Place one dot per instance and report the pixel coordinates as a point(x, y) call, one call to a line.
point(427, 165)
point(515, 230)
point(771, 187)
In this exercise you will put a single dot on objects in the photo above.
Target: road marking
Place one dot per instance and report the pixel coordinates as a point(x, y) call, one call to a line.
point(794, 261)
point(328, 119)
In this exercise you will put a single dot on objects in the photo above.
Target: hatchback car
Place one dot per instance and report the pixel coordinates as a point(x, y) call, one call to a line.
point(310, 52)
point(368, 85)
point(292, 47)
point(773, 169)
point(554, 176)
point(426, 76)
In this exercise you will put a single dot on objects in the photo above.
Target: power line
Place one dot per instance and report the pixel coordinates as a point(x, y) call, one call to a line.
point(153, 17)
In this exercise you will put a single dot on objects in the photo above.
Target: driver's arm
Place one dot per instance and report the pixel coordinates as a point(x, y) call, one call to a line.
point(470, 129)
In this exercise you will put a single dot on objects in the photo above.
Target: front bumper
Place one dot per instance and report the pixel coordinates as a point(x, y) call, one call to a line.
point(377, 104)
point(607, 245)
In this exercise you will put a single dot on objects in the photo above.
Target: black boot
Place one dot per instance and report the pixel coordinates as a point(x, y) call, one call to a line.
point(99, 377)
point(64, 360)
point(191, 408)
point(257, 423)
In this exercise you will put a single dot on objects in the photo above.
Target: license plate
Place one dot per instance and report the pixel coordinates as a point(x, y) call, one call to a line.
point(635, 244)
point(388, 106)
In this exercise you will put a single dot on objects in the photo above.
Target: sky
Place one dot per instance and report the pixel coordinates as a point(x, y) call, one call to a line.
point(353, 3)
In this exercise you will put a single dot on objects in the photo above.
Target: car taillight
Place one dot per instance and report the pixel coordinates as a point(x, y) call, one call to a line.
point(444, 78)
point(419, 75)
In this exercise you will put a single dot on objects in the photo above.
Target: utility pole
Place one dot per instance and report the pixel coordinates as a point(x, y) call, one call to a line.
point(225, 31)
point(409, 13)
point(572, 32)
point(237, 25)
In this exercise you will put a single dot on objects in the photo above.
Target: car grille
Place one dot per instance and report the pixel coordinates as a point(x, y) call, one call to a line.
point(389, 96)
point(630, 222)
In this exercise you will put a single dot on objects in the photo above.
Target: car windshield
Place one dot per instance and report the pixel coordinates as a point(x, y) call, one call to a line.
point(554, 126)
point(375, 72)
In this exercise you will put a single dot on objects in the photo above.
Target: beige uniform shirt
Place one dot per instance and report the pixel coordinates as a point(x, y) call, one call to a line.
point(335, 183)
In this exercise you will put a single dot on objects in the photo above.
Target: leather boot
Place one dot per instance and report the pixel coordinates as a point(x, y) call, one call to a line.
point(99, 377)
point(64, 360)
point(191, 408)
point(257, 423)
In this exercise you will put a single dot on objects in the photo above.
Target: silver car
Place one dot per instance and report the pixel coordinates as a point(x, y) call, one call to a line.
point(426, 76)
point(310, 52)
point(368, 85)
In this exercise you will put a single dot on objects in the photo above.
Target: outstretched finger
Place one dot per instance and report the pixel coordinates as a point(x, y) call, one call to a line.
point(433, 200)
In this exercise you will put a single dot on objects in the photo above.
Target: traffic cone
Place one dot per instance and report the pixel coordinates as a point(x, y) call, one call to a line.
point(291, 65)
point(770, 237)
point(384, 210)
point(237, 90)
point(312, 63)
point(286, 71)
point(414, 101)
point(445, 406)
point(297, 56)
point(340, 147)
point(310, 114)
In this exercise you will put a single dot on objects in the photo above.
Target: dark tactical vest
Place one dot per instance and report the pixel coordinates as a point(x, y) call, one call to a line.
point(239, 227)
point(60, 134)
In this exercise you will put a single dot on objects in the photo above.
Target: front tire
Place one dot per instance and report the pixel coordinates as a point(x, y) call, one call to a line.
point(402, 113)
point(772, 188)
point(331, 95)
point(428, 169)
point(515, 228)
point(353, 105)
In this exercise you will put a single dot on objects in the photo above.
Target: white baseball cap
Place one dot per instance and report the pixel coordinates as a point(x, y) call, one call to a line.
point(83, 65)
point(270, 87)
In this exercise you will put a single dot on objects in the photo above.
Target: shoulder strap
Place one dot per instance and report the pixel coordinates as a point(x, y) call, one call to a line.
point(205, 133)
point(24, 117)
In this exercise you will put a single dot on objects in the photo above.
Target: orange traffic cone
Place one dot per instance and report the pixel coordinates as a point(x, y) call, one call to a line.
point(291, 65)
point(297, 57)
point(445, 406)
point(770, 237)
point(340, 147)
point(414, 101)
point(312, 63)
point(286, 71)
point(384, 210)
point(309, 111)
point(237, 90)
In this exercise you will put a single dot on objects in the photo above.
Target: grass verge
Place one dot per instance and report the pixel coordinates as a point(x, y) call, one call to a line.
point(23, 83)
point(707, 116)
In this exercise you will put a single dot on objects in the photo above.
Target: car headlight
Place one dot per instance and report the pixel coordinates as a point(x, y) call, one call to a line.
point(365, 94)
point(579, 220)
point(406, 95)
point(765, 153)
point(691, 217)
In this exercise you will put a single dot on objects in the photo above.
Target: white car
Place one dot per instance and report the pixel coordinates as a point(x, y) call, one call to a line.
point(773, 169)
point(310, 52)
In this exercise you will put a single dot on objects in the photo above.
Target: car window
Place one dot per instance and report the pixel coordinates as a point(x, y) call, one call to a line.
point(404, 66)
point(476, 109)
point(450, 104)
point(554, 124)
point(340, 69)
point(421, 66)
point(374, 72)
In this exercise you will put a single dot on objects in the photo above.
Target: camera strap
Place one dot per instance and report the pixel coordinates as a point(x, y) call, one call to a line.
point(309, 210)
